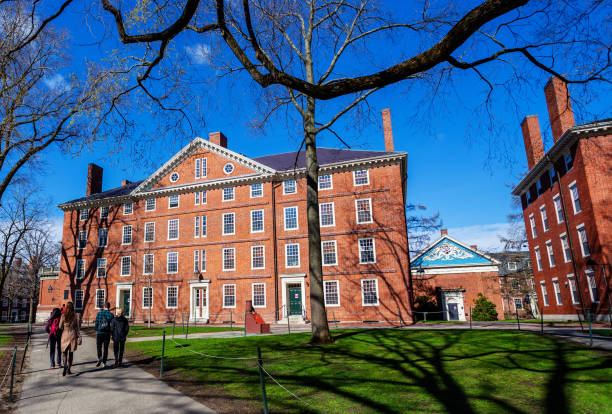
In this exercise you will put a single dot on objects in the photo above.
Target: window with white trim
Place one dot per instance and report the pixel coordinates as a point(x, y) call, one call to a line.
point(203, 260)
point(126, 265)
point(229, 223)
point(590, 276)
point(82, 239)
point(204, 168)
point(289, 187)
point(544, 218)
point(558, 208)
point(229, 296)
point(361, 177)
point(259, 295)
point(196, 261)
point(518, 304)
point(172, 262)
point(512, 266)
point(149, 232)
point(363, 210)
point(257, 221)
point(575, 198)
point(331, 293)
point(584, 243)
point(102, 237)
point(329, 253)
point(291, 221)
point(565, 248)
point(80, 269)
point(104, 212)
point(100, 296)
point(516, 284)
point(534, 233)
point(538, 257)
point(557, 290)
point(204, 226)
point(571, 283)
point(101, 270)
point(79, 294)
point(292, 255)
point(369, 292)
point(196, 226)
point(256, 190)
point(148, 264)
point(173, 201)
point(544, 293)
point(196, 198)
point(150, 204)
point(367, 252)
point(326, 214)
point(84, 214)
point(551, 255)
point(147, 297)
point(569, 161)
point(229, 258)
point(126, 237)
point(171, 297)
point(173, 229)
point(257, 257)
point(325, 182)
point(128, 208)
point(228, 193)
point(197, 168)
point(203, 197)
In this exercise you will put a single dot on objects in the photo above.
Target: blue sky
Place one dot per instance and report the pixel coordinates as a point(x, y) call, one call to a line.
point(457, 165)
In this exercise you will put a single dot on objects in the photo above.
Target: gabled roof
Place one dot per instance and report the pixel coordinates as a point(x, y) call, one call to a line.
point(447, 252)
point(125, 190)
point(287, 161)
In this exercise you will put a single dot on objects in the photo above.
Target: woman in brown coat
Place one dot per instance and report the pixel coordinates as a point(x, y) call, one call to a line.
point(70, 325)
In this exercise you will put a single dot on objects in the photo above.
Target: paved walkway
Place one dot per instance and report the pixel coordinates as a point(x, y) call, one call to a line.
point(95, 390)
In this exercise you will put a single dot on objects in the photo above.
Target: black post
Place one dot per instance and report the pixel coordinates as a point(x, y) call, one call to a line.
point(542, 320)
point(13, 362)
point(335, 320)
point(425, 316)
point(399, 311)
point(161, 366)
point(610, 315)
point(580, 320)
point(590, 331)
point(288, 324)
point(182, 322)
point(231, 322)
point(173, 323)
point(470, 317)
point(518, 321)
point(262, 380)
point(245, 322)
point(24, 352)
point(187, 330)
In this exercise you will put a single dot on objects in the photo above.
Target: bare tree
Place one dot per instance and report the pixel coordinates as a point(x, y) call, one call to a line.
point(420, 227)
point(516, 237)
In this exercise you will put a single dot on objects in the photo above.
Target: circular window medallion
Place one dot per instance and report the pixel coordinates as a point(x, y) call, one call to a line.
point(174, 177)
point(228, 168)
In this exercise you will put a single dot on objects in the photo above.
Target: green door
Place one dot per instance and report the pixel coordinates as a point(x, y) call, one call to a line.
point(295, 301)
point(126, 304)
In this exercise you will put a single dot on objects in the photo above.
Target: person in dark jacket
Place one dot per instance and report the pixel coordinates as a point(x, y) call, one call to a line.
point(55, 336)
point(103, 331)
point(119, 330)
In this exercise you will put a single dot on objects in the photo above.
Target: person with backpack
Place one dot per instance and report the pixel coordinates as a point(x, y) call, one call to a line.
point(55, 336)
point(70, 325)
point(119, 330)
point(103, 331)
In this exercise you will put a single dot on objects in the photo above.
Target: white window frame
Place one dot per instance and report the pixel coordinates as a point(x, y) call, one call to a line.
point(592, 284)
point(202, 260)
point(106, 239)
point(263, 249)
point(287, 256)
point(569, 187)
point(103, 298)
point(582, 243)
point(545, 299)
point(168, 262)
point(334, 282)
point(331, 183)
point(196, 198)
point(203, 167)
point(260, 186)
point(196, 227)
point(520, 300)
point(76, 299)
point(104, 211)
point(297, 222)
point(253, 221)
point(550, 253)
point(197, 169)
point(168, 297)
point(147, 201)
point(233, 193)
point(121, 266)
point(227, 249)
point(333, 214)
point(512, 266)
point(146, 232)
point(571, 284)
point(78, 267)
point(558, 208)
point(557, 291)
point(196, 261)
point(123, 235)
point(544, 218)
point(538, 256)
point(377, 293)
point(128, 209)
point(233, 216)
point(84, 246)
point(565, 248)
point(224, 295)
point(84, 214)
point(361, 250)
point(203, 197)
point(534, 233)
point(253, 294)
point(177, 229)
point(286, 187)
point(204, 226)
point(335, 253)
point(369, 200)
point(178, 201)
point(144, 295)
point(367, 176)
point(144, 264)
point(101, 261)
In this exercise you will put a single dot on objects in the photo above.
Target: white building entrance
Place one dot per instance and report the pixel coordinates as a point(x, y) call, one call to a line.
point(452, 305)
point(198, 301)
point(124, 298)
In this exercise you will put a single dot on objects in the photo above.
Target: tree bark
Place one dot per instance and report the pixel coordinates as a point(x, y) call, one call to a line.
point(320, 328)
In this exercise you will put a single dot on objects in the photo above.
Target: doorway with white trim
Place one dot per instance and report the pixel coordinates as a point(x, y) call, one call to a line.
point(198, 301)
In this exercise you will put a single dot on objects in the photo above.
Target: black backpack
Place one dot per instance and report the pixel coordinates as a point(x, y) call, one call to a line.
point(104, 325)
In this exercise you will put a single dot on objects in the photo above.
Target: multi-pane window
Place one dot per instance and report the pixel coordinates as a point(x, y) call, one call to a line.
point(102, 237)
point(289, 187)
point(101, 271)
point(149, 235)
point(173, 229)
point(100, 296)
point(229, 296)
point(544, 293)
point(326, 214)
point(259, 295)
point(575, 198)
point(126, 265)
point(150, 204)
point(196, 261)
point(551, 255)
point(328, 250)
point(367, 253)
point(331, 293)
point(291, 222)
point(516, 284)
point(325, 182)
point(197, 198)
point(148, 264)
point(82, 239)
point(197, 168)
point(256, 190)
point(534, 234)
point(228, 223)
point(104, 212)
point(128, 208)
point(361, 177)
point(558, 208)
point(584, 244)
point(172, 297)
point(572, 288)
point(557, 290)
point(544, 218)
point(229, 258)
point(569, 161)
point(518, 304)
point(173, 201)
point(257, 223)
point(204, 166)
point(592, 286)
point(369, 292)
point(172, 262)
point(203, 260)
point(512, 266)
point(84, 214)
point(257, 257)
point(364, 210)
point(80, 269)
point(203, 197)
point(538, 258)
point(196, 226)
point(127, 235)
point(565, 248)
point(204, 226)
point(78, 298)
point(147, 297)
point(292, 255)
point(228, 193)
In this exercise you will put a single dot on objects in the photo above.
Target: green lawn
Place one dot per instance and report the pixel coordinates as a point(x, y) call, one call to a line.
point(397, 371)
point(143, 331)
point(604, 332)
point(5, 339)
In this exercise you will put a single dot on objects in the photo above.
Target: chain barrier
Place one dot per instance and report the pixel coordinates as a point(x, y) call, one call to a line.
point(279, 384)
point(213, 356)
point(5, 374)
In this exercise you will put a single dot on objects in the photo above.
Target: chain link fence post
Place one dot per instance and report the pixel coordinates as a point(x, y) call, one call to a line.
point(161, 366)
point(262, 380)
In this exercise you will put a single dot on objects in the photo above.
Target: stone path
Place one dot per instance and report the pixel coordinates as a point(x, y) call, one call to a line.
point(95, 390)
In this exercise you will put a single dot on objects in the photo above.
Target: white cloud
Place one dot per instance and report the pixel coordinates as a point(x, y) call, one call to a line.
point(57, 82)
point(199, 53)
point(485, 236)
point(56, 227)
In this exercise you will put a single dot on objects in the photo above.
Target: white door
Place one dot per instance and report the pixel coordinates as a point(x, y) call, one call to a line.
point(200, 302)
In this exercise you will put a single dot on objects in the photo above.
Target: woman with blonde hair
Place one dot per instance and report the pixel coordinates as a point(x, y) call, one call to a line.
point(70, 324)
point(119, 330)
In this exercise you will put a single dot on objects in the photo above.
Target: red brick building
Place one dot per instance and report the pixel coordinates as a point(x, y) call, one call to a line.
point(566, 198)
point(212, 228)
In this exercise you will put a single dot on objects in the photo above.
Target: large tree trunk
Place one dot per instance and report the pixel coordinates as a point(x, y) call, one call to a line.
point(320, 329)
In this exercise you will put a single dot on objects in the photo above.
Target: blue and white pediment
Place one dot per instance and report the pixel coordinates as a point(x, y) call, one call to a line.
point(447, 252)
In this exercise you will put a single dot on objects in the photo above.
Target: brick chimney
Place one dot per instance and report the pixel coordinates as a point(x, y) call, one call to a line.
point(559, 107)
point(474, 246)
point(218, 138)
point(534, 148)
point(443, 232)
point(125, 182)
point(387, 130)
point(94, 179)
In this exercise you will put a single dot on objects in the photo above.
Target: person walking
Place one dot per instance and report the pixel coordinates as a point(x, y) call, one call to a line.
point(70, 325)
point(119, 330)
point(103, 331)
point(55, 336)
